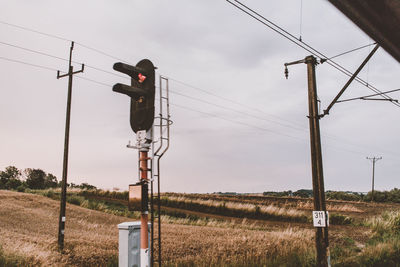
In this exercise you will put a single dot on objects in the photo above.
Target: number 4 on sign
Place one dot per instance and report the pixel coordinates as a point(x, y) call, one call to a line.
point(319, 218)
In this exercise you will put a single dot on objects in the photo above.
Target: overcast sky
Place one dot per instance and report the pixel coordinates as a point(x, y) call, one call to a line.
point(257, 138)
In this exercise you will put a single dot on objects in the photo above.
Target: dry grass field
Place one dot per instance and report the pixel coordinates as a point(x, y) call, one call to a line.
point(29, 223)
point(29, 230)
point(29, 227)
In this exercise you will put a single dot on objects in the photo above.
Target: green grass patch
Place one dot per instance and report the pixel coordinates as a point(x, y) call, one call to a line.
point(383, 249)
point(13, 260)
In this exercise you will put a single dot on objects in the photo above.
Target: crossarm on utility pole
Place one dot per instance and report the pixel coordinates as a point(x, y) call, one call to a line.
point(292, 63)
point(326, 111)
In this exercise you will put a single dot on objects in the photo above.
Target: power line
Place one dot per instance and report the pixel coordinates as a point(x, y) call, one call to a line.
point(93, 81)
point(232, 101)
point(237, 122)
point(213, 115)
point(28, 64)
point(263, 129)
point(294, 40)
point(197, 99)
point(33, 51)
point(235, 110)
point(300, 127)
point(63, 59)
point(59, 38)
point(278, 29)
point(101, 52)
point(108, 72)
point(35, 31)
point(302, 44)
point(194, 110)
point(111, 73)
point(220, 106)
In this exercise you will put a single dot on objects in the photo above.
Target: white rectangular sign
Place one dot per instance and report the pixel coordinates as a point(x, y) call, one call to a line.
point(320, 218)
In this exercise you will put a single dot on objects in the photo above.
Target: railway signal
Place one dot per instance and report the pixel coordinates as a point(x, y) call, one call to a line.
point(141, 91)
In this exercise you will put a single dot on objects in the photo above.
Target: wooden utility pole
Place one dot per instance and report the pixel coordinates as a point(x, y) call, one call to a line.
point(322, 220)
point(321, 235)
point(321, 232)
point(61, 221)
point(373, 160)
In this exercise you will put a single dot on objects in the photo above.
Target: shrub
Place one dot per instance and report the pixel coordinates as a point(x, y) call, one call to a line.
point(386, 224)
point(76, 200)
point(348, 196)
point(339, 219)
point(305, 193)
point(381, 254)
point(49, 193)
point(21, 188)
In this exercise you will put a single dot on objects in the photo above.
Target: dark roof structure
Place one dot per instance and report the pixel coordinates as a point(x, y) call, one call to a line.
point(380, 19)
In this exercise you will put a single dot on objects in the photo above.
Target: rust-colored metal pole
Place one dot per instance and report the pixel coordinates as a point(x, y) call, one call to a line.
point(144, 218)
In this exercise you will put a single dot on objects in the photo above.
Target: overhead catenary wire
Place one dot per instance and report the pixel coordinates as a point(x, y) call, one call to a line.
point(306, 47)
point(350, 51)
point(365, 97)
point(301, 44)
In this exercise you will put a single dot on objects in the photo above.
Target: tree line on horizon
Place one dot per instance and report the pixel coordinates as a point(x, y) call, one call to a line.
point(378, 196)
point(13, 178)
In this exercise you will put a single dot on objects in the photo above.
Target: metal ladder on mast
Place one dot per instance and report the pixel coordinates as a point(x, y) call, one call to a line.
point(159, 147)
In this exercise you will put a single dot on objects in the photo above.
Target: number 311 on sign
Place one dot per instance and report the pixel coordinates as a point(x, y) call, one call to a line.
point(320, 218)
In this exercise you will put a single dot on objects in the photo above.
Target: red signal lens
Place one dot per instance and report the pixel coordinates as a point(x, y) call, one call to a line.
point(141, 78)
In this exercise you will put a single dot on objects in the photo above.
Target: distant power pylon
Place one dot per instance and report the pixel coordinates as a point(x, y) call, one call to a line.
point(373, 160)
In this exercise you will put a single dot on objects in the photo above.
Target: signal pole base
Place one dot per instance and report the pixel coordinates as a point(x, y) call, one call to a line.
point(144, 257)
